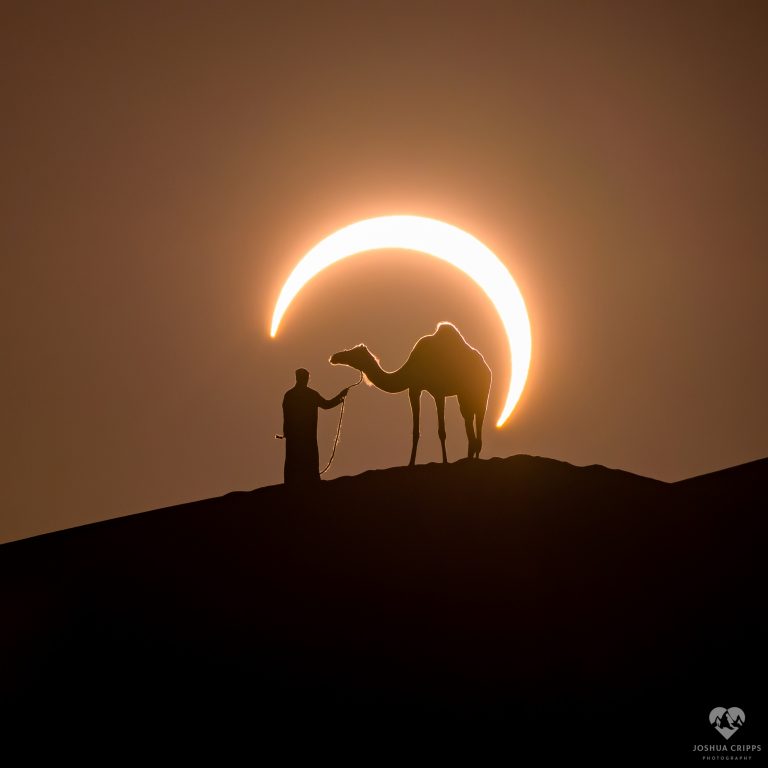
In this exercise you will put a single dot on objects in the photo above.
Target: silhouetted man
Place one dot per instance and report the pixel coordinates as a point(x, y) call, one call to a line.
point(300, 404)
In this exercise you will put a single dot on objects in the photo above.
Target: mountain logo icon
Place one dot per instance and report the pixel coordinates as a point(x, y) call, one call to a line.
point(727, 721)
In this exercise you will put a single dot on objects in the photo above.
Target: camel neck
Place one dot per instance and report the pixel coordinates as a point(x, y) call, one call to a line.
point(388, 381)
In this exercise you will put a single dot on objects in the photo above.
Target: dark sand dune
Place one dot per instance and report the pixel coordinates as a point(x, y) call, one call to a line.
point(549, 608)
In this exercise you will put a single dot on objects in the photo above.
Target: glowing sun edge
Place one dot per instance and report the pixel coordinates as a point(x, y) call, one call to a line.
point(444, 241)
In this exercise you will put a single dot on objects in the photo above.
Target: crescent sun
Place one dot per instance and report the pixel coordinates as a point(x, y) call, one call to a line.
point(443, 241)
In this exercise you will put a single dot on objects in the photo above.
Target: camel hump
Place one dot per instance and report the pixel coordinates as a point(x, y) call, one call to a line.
point(446, 330)
point(445, 340)
point(452, 342)
point(448, 337)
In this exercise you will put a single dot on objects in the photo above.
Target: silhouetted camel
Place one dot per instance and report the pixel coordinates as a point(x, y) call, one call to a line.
point(443, 364)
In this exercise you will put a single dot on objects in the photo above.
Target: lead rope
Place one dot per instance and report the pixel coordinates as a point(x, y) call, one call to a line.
point(338, 428)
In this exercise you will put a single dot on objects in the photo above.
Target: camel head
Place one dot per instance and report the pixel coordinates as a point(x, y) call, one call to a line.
point(358, 357)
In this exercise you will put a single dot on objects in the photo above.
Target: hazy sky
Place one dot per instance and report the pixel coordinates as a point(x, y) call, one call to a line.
point(165, 165)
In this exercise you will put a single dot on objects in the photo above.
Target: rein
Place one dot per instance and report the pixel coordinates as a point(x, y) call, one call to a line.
point(338, 429)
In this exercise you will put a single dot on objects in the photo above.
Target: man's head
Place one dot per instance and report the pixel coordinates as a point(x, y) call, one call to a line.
point(302, 377)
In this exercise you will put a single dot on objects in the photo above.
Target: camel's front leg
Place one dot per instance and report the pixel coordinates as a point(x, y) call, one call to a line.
point(440, 404)
point(415, 397)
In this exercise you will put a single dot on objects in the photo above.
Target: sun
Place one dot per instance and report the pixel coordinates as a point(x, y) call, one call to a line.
point(445, 242)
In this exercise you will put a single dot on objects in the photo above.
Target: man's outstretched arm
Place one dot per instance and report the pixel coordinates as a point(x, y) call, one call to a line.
point(333, 402)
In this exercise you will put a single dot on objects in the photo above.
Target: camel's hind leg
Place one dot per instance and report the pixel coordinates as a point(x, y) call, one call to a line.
point(469, 417)
point(479, 416)
point(440, 405)
point(415, 398)
point(470, 435)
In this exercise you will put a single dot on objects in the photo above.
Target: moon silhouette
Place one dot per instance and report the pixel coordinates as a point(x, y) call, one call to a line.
point(443, 241)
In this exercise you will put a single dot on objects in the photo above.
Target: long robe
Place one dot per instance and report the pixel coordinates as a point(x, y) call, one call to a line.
point(302, 462)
